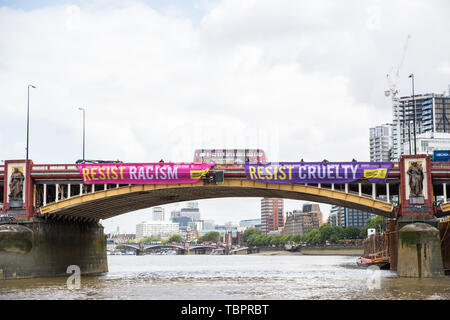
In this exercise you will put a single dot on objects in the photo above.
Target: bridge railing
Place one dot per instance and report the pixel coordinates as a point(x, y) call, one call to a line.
point(440, 165)
point(54, 167)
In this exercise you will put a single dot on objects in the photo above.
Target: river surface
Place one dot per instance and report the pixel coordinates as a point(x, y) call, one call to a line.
point(212, 277)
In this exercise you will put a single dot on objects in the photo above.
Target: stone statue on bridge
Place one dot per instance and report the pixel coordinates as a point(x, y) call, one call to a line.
point(415, 173)
point(16, 185)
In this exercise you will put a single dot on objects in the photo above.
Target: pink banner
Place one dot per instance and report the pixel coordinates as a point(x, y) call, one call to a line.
point(143, 173)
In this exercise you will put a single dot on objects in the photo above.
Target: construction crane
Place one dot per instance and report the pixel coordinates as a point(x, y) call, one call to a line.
point(393, 91)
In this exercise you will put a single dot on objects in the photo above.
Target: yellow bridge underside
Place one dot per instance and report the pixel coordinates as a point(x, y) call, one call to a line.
point(112, 202)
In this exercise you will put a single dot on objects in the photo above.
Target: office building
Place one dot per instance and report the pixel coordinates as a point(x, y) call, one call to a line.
point(300, 222)
point(192, 211)
point(175, 213)
point(249, 223)
point(208, 225)
point(156, 229)
point(158, 214)
point(272, 217)
point(314, 208)
point(224, 229)
point(427, 142)
point(183, 222)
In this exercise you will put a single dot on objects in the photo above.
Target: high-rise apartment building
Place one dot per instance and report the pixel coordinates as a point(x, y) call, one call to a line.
point(432, 114)
point(381, 143)
point(335, 216)
point(332, 219)
point(272, 217)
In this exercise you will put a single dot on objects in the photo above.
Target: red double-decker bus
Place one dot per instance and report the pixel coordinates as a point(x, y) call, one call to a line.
point(229, 158)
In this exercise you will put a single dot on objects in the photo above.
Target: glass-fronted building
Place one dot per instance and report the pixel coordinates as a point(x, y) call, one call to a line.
point(346, 217)
point(432, 114)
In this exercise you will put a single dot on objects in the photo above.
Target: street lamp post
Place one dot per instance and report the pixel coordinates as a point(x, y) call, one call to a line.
point(84, 132)
point(414, 106)
point(28, 116)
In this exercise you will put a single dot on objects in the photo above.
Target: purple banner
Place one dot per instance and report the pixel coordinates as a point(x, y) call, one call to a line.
point(317, 172)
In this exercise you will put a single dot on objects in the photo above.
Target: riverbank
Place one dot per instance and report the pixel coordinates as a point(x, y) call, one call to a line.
point(316, 251)
point(341, 251)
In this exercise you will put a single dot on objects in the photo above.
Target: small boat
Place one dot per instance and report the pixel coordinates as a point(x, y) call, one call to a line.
point(291, 246)
point(383, 263)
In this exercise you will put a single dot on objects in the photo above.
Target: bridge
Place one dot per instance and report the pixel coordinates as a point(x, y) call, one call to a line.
point(58, 191)
point(182, 248)
point(55, 196)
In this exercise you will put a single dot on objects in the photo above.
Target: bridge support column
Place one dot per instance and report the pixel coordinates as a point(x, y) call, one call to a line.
point(419, 251)
point(444, 191)
point(387, 193)
point(40, 248)
point(419, 247)
point(45, 195)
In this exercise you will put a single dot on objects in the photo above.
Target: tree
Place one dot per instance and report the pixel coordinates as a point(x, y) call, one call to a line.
point(312, 236)
point(325, 232)
point(376, 223)
point(150, 239)
point(212, 236)
point(251, 240)
point(176, 238)
point(249, 232)
point(351, 232)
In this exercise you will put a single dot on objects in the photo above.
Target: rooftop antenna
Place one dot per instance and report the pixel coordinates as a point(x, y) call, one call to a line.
point(393, 91)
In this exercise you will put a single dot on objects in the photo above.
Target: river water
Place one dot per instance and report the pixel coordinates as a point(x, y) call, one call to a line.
point(213, 277)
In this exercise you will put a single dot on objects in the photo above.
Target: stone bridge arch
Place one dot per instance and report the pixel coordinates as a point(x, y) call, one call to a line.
point(112, 202)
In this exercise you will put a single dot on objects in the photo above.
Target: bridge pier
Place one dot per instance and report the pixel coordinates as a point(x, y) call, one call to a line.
point(419, 251)
point(39, 248)
point(419, 244)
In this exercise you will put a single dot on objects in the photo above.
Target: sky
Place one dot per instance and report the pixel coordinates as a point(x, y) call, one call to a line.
point(159, 79)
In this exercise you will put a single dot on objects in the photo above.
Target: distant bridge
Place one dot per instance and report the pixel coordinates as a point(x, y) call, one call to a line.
point(141, 247)
point(148, 246)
